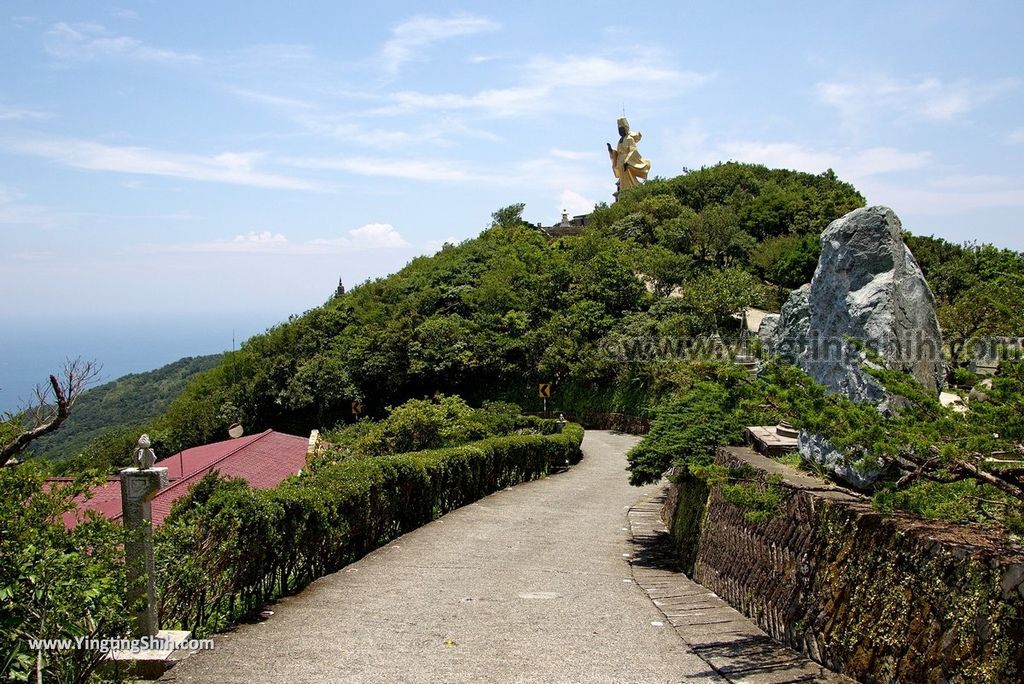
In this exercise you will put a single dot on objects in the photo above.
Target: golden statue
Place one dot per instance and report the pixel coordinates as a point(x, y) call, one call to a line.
point(627, 164)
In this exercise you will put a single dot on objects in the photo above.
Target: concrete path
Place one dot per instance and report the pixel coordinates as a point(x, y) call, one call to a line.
point(531, 584)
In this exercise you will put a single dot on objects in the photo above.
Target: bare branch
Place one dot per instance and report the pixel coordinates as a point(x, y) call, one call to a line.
point(990, 478)
point(52, 405)
point(992, 502)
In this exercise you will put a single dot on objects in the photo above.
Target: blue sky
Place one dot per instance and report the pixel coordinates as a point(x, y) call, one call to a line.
point(191, 158)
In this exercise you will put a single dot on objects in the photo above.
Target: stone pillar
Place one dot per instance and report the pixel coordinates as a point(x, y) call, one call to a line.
point(138, 487)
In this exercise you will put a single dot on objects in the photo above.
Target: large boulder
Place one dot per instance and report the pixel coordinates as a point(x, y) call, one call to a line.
point(867, 288)
point(867, 294)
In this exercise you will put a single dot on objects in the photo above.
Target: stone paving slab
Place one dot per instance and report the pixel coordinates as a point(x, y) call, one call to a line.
point(732, 645)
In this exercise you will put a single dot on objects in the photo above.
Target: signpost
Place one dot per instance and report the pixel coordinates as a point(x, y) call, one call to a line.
point(357, 408)
point(544, 392)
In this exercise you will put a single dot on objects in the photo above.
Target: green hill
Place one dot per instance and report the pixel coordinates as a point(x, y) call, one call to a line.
point(128, 401)
point(494, 315)
point(491, 317)
point(598, 315)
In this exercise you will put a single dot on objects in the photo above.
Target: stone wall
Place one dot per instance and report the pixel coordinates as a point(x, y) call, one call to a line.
point(878, 598)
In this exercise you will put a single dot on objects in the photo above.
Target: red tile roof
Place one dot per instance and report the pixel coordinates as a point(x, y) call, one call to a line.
point(263, 460)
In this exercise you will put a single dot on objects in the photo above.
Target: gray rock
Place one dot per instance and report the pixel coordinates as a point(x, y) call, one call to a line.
point(769, 326)
point(787, 336)
point(817, 450)
point(980, 391)
point(866, 288)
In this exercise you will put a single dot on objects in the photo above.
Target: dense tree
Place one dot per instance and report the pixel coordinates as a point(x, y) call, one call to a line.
point(788, 260)
point(718, 238)
point(718, 294)
point(509, 216)
point(490, 317)
point(993, 307)
point(664, 268)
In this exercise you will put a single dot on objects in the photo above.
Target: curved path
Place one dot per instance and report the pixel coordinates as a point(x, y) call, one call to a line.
point(531, 584)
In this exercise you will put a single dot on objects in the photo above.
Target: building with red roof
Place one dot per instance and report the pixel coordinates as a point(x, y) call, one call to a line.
point(263, 460)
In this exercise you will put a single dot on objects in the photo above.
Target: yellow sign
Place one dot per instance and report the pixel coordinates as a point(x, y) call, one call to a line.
point(357, 408)
point(544, 390)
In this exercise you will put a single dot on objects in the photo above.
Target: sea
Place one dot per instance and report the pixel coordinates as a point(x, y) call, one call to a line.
point(33, 348)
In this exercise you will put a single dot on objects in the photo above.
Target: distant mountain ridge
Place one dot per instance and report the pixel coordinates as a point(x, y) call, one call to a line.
point(130, 399)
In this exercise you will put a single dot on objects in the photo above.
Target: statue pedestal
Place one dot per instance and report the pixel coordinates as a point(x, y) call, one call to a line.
point(138, 487)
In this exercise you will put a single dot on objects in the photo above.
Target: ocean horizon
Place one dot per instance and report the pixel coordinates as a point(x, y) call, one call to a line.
point(33, 348)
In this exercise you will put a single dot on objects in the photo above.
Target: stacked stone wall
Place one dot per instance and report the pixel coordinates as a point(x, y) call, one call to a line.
point(879, 598)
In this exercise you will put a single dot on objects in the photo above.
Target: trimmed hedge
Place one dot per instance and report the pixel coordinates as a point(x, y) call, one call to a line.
point(228, 549)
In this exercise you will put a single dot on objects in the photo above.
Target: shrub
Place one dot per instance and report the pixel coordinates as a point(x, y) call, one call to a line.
point(419, 424)
point(54, 583)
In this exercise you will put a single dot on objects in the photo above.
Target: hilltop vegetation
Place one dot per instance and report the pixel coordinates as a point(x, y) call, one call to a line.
point(490, 317)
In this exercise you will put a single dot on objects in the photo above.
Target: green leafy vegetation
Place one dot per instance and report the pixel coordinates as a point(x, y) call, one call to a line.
point(979, 290)
point(420, 424)
point(54, 583)
point(489, 318)
point(963, 467)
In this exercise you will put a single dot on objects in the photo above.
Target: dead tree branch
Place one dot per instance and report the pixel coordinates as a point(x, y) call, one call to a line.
point(51, 407)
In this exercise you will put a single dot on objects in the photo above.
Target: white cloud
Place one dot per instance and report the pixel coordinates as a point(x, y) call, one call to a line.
point(496, 101)
point(269, 99)
point(860, 102)
point(317, 119)
point(228, 167)
point(1016, 136)
point(592, 71)
point(572, 155)
point(370, 236)
point(850, 164)
point(88, 41)
point(685, 145)
point(15, 212)
point(878, 160)
point(575, 203)
point(412, 36)
point(8, 113)
point(483, 59)
point(342, 127)
point(569, 184)
point(972, 182)
point(421, 169)
point(23, 21)
point(939, 199)
point(553, 84)
point(263, 237)
point(869, 169)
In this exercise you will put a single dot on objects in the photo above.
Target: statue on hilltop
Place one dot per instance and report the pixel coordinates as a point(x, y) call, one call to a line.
point(627, 164)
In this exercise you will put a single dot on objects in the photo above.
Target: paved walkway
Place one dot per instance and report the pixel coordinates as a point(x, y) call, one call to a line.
point(531, 584)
